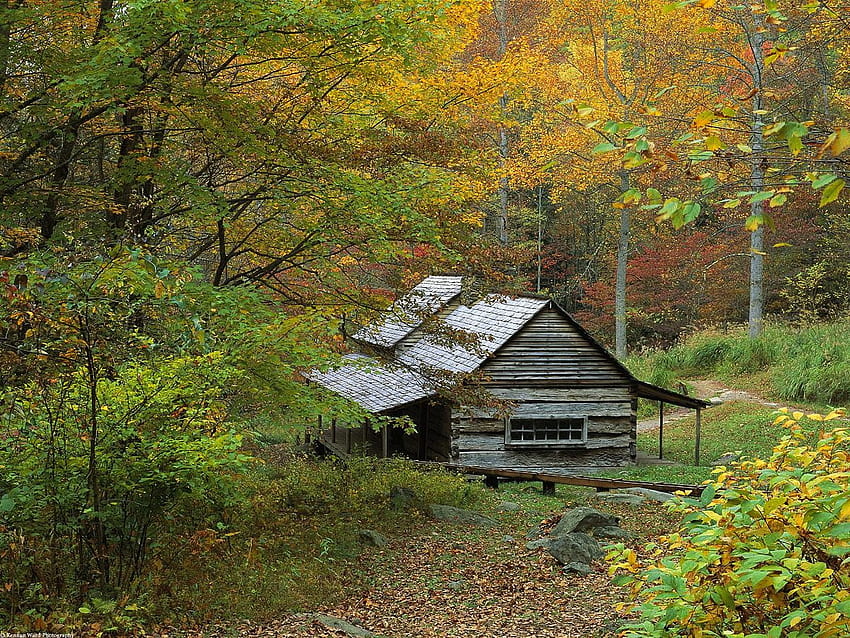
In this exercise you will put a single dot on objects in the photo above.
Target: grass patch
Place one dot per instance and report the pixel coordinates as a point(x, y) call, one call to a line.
point(743, 428)
point(802, 364)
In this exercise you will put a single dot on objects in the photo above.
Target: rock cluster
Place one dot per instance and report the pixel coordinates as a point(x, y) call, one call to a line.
point(573, 541)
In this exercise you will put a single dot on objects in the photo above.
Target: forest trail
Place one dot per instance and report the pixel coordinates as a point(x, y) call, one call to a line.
point(706, 389)
point(455, 581)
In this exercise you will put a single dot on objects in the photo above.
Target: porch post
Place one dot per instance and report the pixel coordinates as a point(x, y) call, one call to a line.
point(698, 428)
point(661, 429)
point(385, 442)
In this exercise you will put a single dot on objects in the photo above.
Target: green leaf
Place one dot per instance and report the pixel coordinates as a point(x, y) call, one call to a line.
point(761, 196)
point(633, 160)
point(823, 180)
point(653, 196)
point(831, 192)
point(778, 200)
point(603, 147)
point(700, 156)
point(795, 144)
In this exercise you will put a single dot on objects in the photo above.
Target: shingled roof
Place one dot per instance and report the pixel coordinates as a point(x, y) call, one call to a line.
point(417, 355)
point(494, 320)
point(409, 311)
point(373, 385)
point(379, 386)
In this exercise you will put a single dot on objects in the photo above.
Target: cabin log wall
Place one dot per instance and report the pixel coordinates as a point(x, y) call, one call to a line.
point(548, 370)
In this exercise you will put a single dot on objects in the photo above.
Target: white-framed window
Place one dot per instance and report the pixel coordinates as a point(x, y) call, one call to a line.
point(553, 431)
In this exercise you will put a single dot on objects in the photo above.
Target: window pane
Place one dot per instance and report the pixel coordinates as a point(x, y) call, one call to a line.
point(547, 430)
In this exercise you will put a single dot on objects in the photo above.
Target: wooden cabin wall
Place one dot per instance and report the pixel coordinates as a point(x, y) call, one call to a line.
point(432, 439)
point(550, 370)
point(352, 439)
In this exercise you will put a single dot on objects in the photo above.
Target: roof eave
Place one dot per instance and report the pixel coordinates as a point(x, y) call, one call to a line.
point(653, 392)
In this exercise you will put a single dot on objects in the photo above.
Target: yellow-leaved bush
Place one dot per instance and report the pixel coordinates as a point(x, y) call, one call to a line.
point(763, 553)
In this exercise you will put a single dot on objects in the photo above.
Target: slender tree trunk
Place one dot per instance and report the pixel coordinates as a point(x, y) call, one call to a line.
point(756, 320)
point(620, 347)
point(500, 11)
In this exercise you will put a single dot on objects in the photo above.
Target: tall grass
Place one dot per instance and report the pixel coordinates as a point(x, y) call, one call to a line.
point(809, 364)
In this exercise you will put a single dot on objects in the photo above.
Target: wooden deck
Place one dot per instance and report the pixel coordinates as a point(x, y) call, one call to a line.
point(552, 478)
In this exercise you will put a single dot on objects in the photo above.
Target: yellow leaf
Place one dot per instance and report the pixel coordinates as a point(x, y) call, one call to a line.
point(840, 143)
point(744, 148)
point(797, 416)
point(713, 143)
point(703, 118)
point(815, 417)
point(844, 514)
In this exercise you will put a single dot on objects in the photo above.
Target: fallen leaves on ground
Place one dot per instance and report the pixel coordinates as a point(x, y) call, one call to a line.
point(456, 581)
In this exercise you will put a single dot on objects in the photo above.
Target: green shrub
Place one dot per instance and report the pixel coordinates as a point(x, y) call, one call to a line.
point(764, 553)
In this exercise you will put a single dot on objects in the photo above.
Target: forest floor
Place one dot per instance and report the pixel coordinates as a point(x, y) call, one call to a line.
point(460, 581)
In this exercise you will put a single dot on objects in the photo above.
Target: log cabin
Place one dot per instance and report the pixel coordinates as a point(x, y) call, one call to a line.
point(504, 381)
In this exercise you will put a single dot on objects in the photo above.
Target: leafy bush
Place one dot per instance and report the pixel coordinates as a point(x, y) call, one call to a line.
point(123, 380)
point(764, 553)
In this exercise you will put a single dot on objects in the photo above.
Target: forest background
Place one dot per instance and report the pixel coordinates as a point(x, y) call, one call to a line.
point(200, 199)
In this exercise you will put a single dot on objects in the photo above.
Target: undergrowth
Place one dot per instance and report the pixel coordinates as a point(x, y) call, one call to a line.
point(285, 548)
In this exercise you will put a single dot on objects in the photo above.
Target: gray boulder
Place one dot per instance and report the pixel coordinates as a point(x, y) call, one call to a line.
point(458, 515)
point(726, 459)
point(537, 544)
point(652, 495)
point(338, 624)
point(583, 519)
point(402, 498)
point(581, 569)
point(617, 497)
point(507, 506)
point(371, 537)
point(613, 533)
point(575, 547)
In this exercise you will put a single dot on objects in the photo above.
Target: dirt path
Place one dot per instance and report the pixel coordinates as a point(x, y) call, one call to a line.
point(706, 389)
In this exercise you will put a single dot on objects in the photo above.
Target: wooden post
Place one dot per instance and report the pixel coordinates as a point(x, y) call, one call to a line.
point(491, 480)
point(422, 431)
point(348, 440)
point(661, 429)
point(333, 430)
point(698, 428)
point(385, 442)
point(549, 488)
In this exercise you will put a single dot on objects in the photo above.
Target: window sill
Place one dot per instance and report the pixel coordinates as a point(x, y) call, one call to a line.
point(544, 444)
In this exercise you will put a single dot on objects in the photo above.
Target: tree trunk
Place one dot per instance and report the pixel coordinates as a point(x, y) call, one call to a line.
point(500, 11)
point(756, 321)
point(620, 347)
